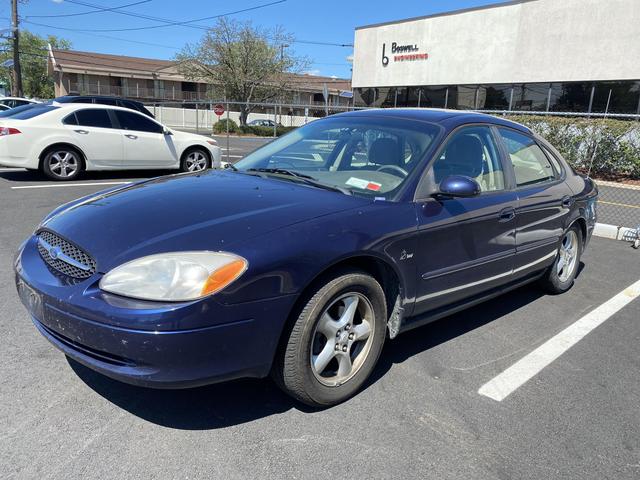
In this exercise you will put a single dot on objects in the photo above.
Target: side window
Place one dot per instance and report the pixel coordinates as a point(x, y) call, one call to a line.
point(94, 117)
point(530, 164)
point(70, 119)
point(471, 152)
point(137, 122)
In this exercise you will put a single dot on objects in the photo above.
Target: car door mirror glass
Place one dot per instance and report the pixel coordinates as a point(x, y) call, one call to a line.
point(459, 186)
point(166, 131)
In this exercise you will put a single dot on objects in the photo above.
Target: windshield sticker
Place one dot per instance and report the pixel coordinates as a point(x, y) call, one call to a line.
point(363, 184)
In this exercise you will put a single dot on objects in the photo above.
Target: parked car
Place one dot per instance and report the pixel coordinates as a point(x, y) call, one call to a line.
point(306, 255)
point(263, 123)
point(4, 108)
point(13, 102)
point(62, 140)
point(105, 100)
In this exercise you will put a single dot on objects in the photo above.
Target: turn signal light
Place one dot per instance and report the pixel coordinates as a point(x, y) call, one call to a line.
point(223, 277)
point(8, 131)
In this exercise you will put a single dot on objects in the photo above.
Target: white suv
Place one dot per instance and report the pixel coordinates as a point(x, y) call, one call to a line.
point(62, 140)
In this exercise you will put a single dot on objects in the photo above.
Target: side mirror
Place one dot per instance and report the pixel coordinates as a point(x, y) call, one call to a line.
point(166, 131)
point(458, 186)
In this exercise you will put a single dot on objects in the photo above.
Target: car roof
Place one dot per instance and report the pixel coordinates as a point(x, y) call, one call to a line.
point(82, 106)
point(96, 97)
point(452, 118)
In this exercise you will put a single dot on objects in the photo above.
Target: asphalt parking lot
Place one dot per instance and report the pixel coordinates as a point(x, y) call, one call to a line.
point(420, 416)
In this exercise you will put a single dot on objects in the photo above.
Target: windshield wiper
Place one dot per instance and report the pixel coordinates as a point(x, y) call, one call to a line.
point(301, 177)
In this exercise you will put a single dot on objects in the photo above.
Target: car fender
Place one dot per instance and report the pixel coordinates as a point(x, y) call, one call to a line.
point(45, 141)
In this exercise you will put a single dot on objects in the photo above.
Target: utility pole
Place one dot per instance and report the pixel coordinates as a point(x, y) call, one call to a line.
point(16, 87)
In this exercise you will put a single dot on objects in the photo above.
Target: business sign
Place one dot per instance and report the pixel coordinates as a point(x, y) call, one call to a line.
point(402, 53)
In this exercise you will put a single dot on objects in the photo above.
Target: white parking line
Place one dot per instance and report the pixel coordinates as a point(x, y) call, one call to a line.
point(62, 185)
point(523, 370)
point(233, 156)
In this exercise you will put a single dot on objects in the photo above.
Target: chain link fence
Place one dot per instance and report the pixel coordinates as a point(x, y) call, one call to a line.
point(584, 145)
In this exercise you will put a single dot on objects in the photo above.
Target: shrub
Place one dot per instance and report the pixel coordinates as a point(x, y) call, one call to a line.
point(605, 147)
point(221, 126)
point(262, 131)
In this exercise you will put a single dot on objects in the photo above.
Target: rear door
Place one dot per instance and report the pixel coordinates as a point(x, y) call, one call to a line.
point(145, 144)
point(465, 246)
point(544, 201)
point(93, 131)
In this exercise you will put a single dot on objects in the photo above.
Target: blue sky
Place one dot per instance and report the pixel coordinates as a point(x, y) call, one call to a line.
point(331, 21)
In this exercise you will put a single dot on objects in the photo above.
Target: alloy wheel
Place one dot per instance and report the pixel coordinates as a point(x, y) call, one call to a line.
point(63, 164)
point(196, 161)
point(342, 339)
point(568, 256)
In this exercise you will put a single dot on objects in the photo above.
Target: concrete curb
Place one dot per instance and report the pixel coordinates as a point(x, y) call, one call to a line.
point(615, 232)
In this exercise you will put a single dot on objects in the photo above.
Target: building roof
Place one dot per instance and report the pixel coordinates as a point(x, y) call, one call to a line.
point(74, 61)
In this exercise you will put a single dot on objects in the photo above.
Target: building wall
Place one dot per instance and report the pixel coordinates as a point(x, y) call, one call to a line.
point(531, 41)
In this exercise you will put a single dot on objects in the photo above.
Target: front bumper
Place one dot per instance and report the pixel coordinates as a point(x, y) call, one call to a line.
point(162, 350)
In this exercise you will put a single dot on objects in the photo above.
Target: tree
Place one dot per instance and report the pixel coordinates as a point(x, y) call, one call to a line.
point(243, 63)
point(36, 81)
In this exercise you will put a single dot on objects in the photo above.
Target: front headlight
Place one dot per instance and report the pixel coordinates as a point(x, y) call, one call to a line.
point(176, 276)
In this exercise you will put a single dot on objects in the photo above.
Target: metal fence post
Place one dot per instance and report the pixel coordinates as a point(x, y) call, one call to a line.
point(197, 126)
point(227, 133)
point(275, 120)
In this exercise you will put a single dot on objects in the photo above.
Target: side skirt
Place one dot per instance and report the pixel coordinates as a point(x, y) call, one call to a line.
point(433, 315)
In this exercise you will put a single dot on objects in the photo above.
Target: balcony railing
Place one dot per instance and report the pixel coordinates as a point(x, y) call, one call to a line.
point(135, 91)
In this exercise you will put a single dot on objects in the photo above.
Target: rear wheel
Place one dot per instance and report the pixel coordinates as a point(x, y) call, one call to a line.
point(62, 163)
point(561, 275)
point(194, 160)
point(335, 341)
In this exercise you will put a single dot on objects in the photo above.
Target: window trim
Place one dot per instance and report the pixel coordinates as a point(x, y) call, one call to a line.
point(426, 184)
point(557, 179)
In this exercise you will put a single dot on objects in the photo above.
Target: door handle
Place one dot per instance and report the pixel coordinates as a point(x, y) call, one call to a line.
point(507, 214)
point(132, 137)
point(567, 201)
point(83, 132)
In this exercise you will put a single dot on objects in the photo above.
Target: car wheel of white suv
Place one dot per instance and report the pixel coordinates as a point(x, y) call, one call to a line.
point(62, 163)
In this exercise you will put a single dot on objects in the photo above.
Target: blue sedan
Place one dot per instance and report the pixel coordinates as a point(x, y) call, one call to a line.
point(304, 257)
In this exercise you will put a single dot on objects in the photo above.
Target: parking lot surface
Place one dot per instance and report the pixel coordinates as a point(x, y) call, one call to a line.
point(420, 416)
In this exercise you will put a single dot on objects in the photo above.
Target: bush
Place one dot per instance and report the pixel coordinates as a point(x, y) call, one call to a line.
point(221, 126)
point(605, 147)
point(262, 131)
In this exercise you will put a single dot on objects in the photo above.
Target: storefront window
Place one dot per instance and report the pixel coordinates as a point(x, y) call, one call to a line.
point(570, 97)
point(532, 97)
point(494, 97)
point(466, 97)
point(616, 97)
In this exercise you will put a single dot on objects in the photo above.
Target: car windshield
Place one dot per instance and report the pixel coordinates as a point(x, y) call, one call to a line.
point(359, 155)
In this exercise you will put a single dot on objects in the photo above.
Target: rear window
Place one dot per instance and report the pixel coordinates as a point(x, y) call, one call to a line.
point(27, 111)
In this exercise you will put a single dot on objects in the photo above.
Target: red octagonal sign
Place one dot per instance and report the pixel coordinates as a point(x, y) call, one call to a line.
point(218, 109)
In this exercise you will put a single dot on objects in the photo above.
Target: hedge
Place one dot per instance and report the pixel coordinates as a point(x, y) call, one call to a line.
point(607, 148)
point(221, 127)
point(262, 131)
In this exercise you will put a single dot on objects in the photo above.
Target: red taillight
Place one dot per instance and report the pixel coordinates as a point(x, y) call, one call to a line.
point(8, 131)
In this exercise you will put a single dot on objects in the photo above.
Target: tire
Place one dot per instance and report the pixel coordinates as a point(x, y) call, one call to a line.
point(62, 163)
point(195, 160)
point(327, 355)
point(560, 276)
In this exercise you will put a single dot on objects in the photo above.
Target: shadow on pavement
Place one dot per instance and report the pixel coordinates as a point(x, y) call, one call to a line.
point(32, 176)
point(240, 401)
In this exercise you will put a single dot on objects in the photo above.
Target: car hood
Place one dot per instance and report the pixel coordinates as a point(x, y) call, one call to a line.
point(206, 211)
point(190, 136)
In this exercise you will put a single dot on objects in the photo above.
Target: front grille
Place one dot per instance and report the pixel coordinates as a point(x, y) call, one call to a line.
point(86, 265)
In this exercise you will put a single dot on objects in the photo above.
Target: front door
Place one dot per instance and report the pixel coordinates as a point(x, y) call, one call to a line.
point(145, 144)
point(465, 245)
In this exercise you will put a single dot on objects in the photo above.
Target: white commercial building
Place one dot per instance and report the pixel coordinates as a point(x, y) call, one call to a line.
point(537, 55)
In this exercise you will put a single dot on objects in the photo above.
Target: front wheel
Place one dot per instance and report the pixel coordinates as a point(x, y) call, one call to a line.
point(335, 341)
point(195, 160)
point(561, 275)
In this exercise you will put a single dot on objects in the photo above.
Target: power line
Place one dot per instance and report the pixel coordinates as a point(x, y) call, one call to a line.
point(185, 23)
point(169, 23)
point(98, 10)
